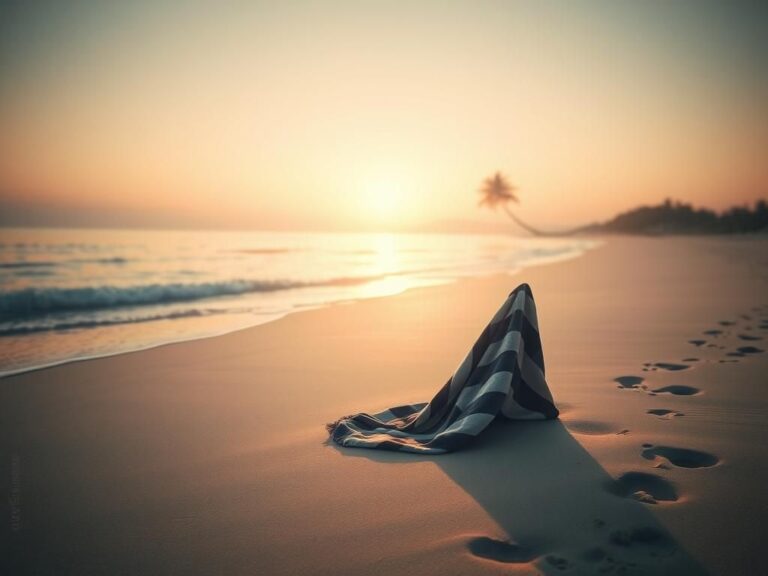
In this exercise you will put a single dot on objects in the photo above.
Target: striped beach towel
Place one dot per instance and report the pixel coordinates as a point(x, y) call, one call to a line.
point(503, 374)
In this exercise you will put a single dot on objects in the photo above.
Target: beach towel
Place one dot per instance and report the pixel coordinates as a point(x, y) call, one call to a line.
point(503, 374)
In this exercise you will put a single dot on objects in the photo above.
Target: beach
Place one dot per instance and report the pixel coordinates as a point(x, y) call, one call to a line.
point(211, 456)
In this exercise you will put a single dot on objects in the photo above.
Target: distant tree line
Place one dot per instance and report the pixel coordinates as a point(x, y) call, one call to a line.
point(680, 218)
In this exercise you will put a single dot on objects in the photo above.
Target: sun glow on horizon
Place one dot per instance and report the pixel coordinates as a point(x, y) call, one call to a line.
point(384, 200)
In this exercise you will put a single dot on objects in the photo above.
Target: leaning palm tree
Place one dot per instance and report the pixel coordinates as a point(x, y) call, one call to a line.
point(498, 191)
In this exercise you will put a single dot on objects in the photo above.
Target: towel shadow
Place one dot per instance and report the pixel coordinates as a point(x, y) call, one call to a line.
point(555, 504)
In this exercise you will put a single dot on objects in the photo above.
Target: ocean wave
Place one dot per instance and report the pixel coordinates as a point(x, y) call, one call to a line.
point(118, 260)
point(24, 330)
point(15, 265)
point(30, 302)
point(33, 273)
point(113, 260)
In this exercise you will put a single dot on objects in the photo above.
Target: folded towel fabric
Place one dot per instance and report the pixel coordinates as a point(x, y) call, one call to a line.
point(503, 374)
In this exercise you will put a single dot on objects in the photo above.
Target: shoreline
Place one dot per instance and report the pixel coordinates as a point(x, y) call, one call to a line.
point(210, 456)
point(541, 261)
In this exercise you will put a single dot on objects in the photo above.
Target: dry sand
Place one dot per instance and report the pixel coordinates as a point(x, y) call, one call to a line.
point(210, 457)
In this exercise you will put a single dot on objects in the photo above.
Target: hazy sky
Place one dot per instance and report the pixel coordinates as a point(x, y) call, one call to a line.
point(371, 115)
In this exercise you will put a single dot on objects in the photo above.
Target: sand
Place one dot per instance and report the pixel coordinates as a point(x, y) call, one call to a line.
point(210, 457)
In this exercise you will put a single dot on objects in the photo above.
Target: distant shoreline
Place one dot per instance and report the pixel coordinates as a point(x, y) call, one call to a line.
point(673, 218)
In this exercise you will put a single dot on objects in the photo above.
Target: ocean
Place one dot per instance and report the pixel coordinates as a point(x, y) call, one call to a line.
point(73, 294)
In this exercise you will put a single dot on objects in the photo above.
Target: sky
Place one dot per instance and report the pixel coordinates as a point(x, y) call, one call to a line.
point(376, 115)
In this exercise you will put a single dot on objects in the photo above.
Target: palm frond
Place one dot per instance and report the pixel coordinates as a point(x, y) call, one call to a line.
point(496, 191)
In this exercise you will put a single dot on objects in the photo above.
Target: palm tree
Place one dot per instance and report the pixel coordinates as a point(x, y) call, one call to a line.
point(498, 191)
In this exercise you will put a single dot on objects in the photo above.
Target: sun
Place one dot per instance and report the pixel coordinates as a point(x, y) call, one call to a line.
point(383, 200)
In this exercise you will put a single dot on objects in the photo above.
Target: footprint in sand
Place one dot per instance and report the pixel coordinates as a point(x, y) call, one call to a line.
point(750, 337)
point(670, 366)
point(726, 323)
point(749, 350)
point(629, 381)
point(745, 351)
point(676, 390)
point(690, 360)
point(501, 551)
point(697, 343)
point(643, 487)
point(712, 332)
point(664, 413)
point(680, 457)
